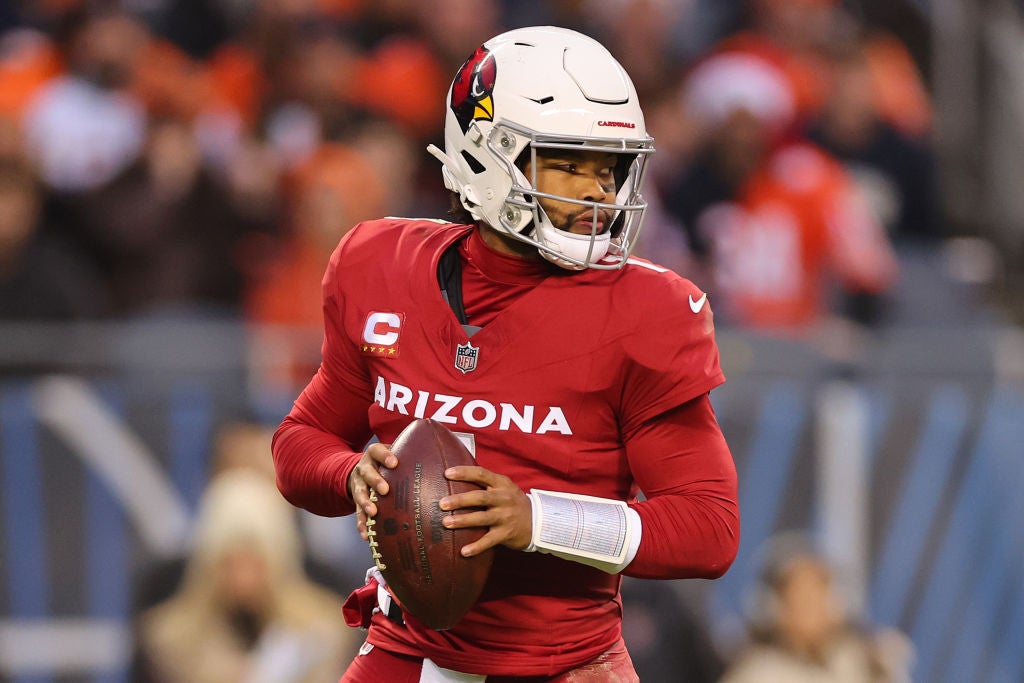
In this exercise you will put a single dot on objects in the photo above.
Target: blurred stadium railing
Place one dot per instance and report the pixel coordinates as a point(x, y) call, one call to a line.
point(908, 463)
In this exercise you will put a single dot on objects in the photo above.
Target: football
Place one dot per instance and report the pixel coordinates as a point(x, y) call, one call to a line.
point(418, 556)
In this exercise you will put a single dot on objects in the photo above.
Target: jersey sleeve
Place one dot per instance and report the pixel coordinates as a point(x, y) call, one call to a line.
point(672, 356)
point(321, 439)
point(690, 514)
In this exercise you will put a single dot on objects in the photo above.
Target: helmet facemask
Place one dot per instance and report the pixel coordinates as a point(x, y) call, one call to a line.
point(523, 217)
point(545, 89)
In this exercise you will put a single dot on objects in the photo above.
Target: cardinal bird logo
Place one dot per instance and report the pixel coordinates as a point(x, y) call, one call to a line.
point(471, 91)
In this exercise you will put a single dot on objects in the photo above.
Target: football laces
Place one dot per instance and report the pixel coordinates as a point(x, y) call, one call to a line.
point(371, 536)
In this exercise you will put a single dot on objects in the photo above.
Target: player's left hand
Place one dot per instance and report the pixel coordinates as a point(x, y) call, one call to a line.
point(506, 510)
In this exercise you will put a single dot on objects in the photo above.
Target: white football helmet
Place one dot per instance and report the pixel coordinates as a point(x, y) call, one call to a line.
point(542, 88)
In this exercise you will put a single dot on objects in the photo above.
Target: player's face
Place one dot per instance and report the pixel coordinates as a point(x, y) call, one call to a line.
point(584, 176)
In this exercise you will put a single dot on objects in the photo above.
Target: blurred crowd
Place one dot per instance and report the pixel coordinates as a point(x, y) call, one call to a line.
point(247, 603)
point(163, 157)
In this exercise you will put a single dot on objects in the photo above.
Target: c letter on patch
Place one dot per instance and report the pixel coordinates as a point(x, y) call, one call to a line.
point(381, 333)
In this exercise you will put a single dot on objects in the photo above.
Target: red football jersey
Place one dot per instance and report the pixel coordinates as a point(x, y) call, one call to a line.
point(564, 375)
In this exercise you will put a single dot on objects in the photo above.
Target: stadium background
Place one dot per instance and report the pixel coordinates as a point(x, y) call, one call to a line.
point(905, 456)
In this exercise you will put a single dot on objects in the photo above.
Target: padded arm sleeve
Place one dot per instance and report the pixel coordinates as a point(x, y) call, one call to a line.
point(598, 532)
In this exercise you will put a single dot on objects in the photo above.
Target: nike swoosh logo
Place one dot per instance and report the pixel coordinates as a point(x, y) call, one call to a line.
point(695, 306)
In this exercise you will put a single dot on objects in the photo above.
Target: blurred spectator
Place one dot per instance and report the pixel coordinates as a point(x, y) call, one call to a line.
point(796, 36)
point(329, 194)
point(897, 88)
point(242, 445)
point(776, 221)
point(292, 78)
point(646, 37)
point(793, 35)
point(396, 159)
point(312, 104)
point(802, 632)
point(399, 81)
point(40, 277)
point(245, 610)
point(237, 445)
point(83, 127)
point(169, 82)
point(894, 171)
point(243, 68)
point(165, 231)
point(410, 48)
point(383, 18)
point(454, 28)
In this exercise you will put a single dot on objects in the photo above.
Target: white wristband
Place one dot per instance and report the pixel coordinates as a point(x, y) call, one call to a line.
point(599, 532)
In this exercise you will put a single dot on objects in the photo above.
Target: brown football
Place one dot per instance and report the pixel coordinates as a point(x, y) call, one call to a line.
point(418, 556)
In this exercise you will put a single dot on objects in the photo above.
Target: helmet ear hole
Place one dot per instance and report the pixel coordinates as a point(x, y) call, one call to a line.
point(473, 163)
point(523, 159)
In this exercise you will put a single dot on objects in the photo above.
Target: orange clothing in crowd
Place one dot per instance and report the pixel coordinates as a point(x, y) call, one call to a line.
point(900, 96)
point(290, 291)
point(399, 81)
point(795, 223)
point(170, 82)
point(328, 194)
point(31, 61)
point(238, 81)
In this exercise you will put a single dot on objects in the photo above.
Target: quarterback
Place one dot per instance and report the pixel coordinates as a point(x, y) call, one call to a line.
point(576, 373)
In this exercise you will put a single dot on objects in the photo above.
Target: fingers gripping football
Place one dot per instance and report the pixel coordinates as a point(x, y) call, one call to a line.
point(366, 478)
point(499, 505)
point(422, 560)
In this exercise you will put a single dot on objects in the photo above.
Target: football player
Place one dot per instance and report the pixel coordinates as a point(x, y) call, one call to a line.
point(578, 375)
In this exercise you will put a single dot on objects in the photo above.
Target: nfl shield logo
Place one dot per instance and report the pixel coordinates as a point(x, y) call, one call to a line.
point(465, 357)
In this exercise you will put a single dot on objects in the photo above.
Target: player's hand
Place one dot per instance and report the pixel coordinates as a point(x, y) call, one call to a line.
point(365, 476)
point(506, 510)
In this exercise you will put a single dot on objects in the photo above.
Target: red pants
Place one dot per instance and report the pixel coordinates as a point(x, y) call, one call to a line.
point(613, 666)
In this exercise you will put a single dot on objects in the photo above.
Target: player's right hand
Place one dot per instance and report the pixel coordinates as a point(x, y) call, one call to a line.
point(366, 476)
